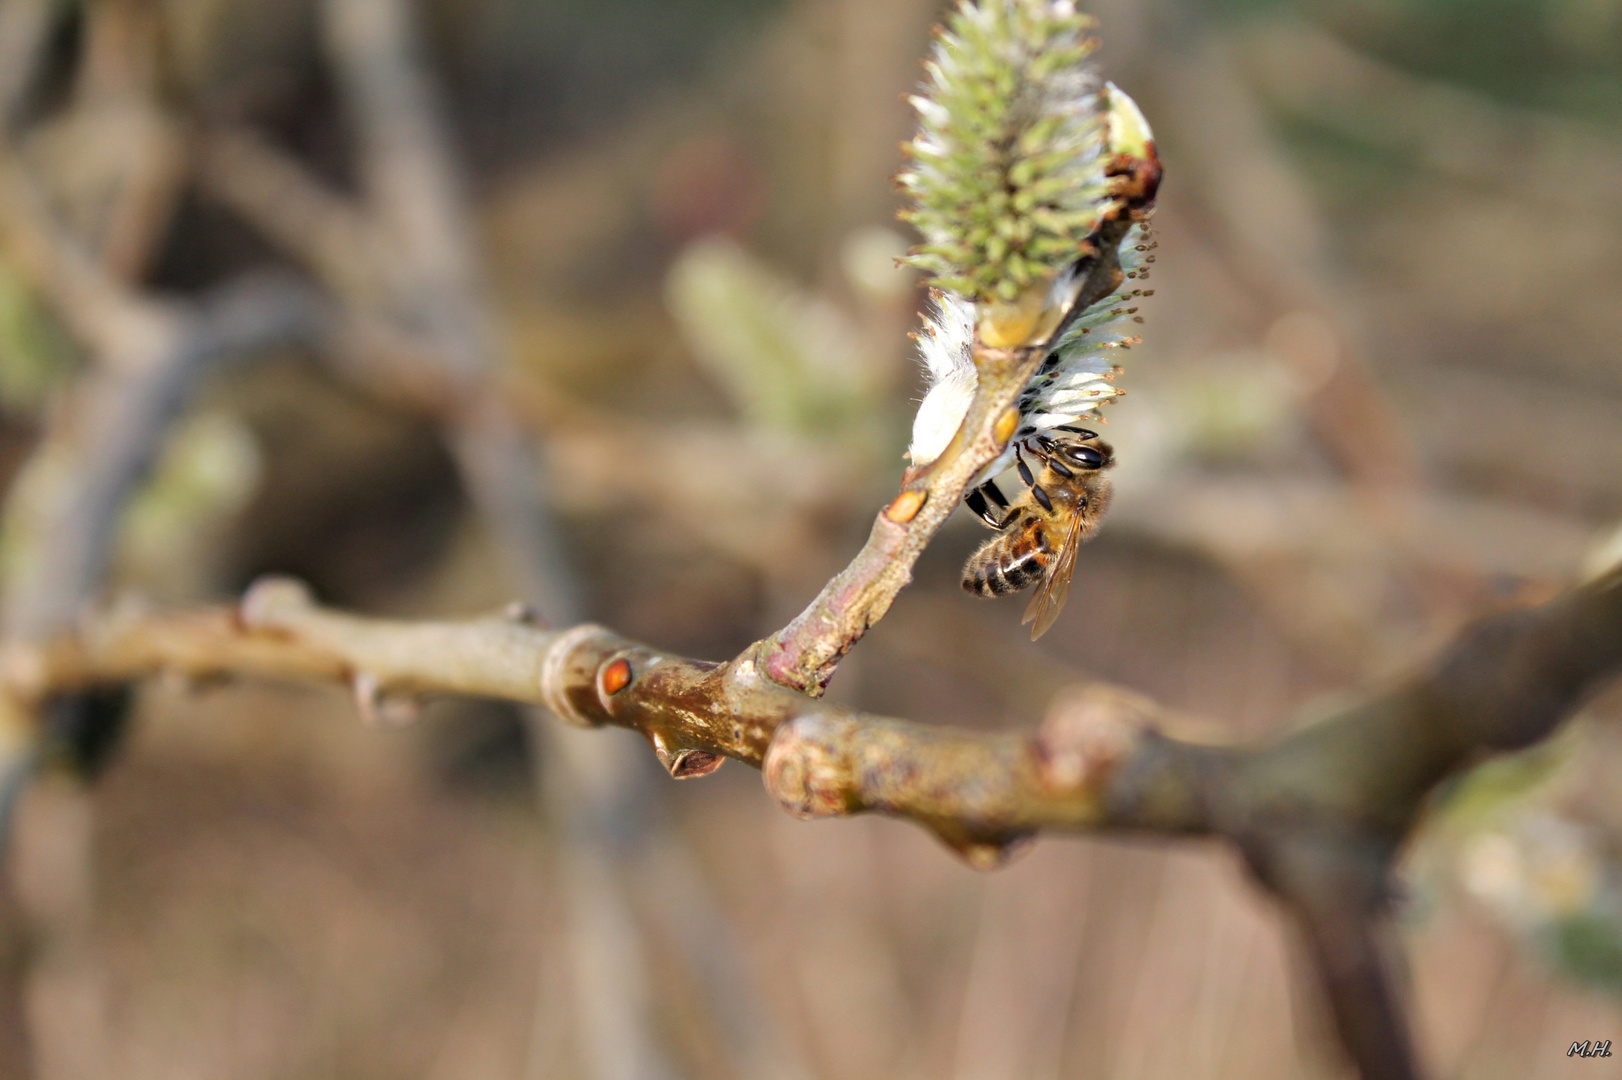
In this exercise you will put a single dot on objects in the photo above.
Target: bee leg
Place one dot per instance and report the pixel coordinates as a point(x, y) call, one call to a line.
point(1053, 462)
point(1024, 470)
point(977, 502)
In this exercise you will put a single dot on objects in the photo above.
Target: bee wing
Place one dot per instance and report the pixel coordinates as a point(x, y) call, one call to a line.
point(1050, 596)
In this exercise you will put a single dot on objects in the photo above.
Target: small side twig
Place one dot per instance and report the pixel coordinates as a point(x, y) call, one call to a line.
point(804, 654)
point(321, 228)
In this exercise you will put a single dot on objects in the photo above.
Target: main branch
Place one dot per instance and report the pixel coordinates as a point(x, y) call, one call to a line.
point(1103, 758)
point(1319, 813)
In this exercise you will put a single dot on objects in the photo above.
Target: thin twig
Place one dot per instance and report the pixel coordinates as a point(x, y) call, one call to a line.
point(1242, 179)
point(23, 26)
point(274, 192)
point(412, 183)
point(99, 311)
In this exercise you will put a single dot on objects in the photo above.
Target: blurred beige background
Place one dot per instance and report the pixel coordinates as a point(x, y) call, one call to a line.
point(1379, 392)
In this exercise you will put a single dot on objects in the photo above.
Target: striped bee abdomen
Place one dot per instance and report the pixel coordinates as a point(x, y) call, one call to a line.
point(1008, 563)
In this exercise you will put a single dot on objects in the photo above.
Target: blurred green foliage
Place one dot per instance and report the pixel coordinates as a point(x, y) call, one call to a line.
point(1504, 832)
point(1560, 55)
point(33, 352)
point(208, 472)
point(1588, 948)
point(789, 360)
point(1493, 789)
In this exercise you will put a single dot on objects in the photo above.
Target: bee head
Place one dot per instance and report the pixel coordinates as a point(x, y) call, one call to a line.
point(1094, 453)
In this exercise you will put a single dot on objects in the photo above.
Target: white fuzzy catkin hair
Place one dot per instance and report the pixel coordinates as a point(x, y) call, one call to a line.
point(945, 346)
point(1069, 388)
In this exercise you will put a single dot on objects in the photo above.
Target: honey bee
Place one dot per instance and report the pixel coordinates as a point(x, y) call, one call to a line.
point(1061, 505)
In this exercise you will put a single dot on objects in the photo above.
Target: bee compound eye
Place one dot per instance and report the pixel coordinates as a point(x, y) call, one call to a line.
point(1085, 456)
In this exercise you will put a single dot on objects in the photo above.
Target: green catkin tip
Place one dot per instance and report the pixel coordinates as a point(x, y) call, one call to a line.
point(1005, 173)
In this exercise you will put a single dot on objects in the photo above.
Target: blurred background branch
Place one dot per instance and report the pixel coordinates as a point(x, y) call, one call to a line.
point(407, 289)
